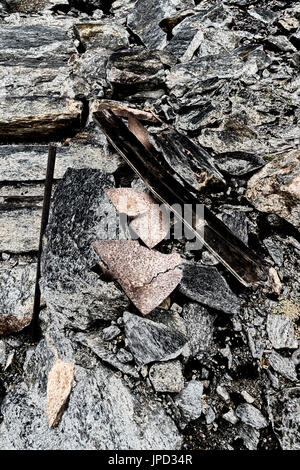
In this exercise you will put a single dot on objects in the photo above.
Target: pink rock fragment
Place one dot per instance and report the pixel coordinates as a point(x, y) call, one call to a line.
point(150, 223)
point(59, 386)
point(146, 276)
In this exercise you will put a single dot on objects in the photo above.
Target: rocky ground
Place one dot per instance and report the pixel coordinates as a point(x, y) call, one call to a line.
point(215, 365)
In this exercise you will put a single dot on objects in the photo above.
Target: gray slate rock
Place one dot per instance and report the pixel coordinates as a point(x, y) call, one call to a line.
point(102, 350)
point(167, 377)
point(135, 70)
point(110, 332)
point(238, 163)
point(75, 295)
point(251, 416)
point(281, 332)
point(237, 221)
point(204, 284)
point(283, 365)
point(189, 401)
point(145, 18)
point(199, 326)
point(160, 343)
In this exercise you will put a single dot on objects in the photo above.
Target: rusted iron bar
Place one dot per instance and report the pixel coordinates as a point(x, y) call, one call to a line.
point(44, 222)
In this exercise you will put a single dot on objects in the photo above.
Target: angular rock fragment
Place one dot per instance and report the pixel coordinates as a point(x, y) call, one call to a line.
point(190, 162)
point(101, 349)
point(190, 74)
point(283, 365)
point(16, 296)
point(281, 332)
point(251, 416)
point(237, 222)
point(146, 276)
point(59, 386)
point(167, 377)
point(81, 213)
point(104, 34)
point(238, 163)
point(262, 14)
point(275, 188)
point(159, 342)
point(145, 18)
point(205, 285)
point(189, 401)
point(149, 223)
point(135, 70)
point(38, 117)
point(200, 327)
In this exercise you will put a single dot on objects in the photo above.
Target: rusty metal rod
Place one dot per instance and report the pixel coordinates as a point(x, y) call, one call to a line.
point(44, 222)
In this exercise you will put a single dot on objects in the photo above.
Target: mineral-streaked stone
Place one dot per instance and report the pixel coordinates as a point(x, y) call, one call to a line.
point(24, 118)
point(19, 230)
point(283, 365)
point(16, 296)
point(281, 332)
point(199, 325)
point(29, 163)
point(205, 285)
point(147, 276)
point(37, 45)
point(160, 343)
point(105, 34)
point(101, 349)
point(167, 377)
point(59, 386)
point(238, 223)
point(251, 416)
point(81, 213)
point(145, 18)
point(135, 70)
point(192, 73)
point(189, 401)
point(275, 188)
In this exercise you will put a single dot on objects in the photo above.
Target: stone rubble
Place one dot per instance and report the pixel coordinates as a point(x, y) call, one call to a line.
point(216, 365)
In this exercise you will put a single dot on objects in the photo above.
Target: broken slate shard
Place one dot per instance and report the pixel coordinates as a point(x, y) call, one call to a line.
point(189, 401)
point(146, 276)
point(204, 284)
point(159, 342)
point(104, 34)
point(238, 163)
point(251, 416)
point(190, 162)
point(200, 327)
point(59, 386)
point(149, 222)
point(145, 18)
point(135, 70)
point(283, 365)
